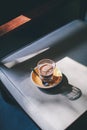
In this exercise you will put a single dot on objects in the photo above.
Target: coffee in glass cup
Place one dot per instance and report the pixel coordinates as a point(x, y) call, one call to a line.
point(46, 69)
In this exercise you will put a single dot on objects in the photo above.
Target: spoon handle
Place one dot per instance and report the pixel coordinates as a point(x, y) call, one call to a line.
point(35, 72)
point(44, 83)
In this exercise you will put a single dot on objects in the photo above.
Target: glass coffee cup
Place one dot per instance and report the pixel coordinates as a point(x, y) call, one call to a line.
point(46, 69)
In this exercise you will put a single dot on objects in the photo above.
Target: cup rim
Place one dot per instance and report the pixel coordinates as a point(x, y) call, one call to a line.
point(45, 59)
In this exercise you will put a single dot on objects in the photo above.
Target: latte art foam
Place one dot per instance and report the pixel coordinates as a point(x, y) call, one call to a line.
point(46, 70)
